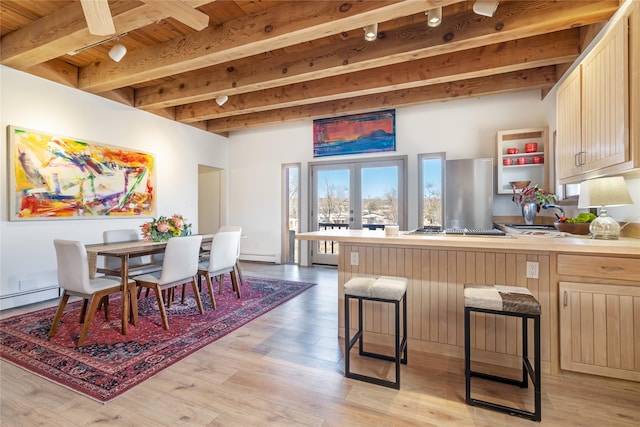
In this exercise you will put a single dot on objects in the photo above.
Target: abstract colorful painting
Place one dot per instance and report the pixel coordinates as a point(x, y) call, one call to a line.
point(54, 177)
point(355, 134)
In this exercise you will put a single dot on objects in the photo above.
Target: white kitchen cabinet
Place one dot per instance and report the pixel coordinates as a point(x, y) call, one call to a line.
point(530, 171)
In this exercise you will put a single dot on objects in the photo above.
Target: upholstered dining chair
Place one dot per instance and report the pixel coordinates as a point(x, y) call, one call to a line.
point(221, 260)
point(236, 268)
point(73, 277)
point(179, 266)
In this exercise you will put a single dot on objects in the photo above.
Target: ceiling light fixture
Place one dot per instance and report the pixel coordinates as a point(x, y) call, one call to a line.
point(485, 8)
point(220, 100)
point(110, 39)
point(434, 16)
point(118, 51)
point(371, 32)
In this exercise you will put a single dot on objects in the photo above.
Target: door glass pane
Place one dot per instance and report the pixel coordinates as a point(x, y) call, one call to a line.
point(293, 220)
point(333, 188)
point(432, 191)
point(379, 197)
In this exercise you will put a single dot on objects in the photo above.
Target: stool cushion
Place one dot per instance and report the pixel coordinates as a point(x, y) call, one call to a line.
point(388, 287)
point(359, 286)
point(511, 299)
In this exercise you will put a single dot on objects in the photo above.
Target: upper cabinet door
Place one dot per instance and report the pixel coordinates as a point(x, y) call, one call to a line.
point(605, 102)
point(569, 132)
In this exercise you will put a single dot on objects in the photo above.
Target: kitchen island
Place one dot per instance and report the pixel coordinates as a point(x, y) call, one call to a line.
point(589, 291)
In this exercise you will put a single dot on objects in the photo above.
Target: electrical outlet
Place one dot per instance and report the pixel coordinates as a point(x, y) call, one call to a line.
point(354, 258)
point(532, 270)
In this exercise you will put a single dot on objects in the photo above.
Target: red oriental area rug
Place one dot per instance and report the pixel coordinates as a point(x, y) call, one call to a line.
point(109, 363)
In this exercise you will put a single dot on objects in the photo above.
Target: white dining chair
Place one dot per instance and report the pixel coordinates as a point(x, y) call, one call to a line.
point(237, 270)
point(73, 277)
point(222, 260)
point(179, 266)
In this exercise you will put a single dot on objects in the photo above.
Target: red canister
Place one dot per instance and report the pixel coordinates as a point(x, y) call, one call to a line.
point(507, 162)
point(538, 160)
point(522, 160)
point(531, 147)
point(512, 150)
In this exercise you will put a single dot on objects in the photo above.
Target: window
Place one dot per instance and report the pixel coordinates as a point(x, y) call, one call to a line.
point(431, 188)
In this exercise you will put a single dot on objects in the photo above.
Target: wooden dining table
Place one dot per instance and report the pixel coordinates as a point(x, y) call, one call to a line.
point(125, 251)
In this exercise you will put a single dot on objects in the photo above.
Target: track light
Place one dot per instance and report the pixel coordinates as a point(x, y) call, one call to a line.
point(434, 16)
point(371, 32)
point(485, 7)
point(220, 100)
point(117, 52)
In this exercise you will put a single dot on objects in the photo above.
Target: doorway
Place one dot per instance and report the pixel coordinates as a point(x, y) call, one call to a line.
point(209, 196)
point(361, 194)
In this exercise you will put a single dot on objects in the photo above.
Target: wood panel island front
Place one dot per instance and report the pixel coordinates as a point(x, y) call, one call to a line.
point(589, 291)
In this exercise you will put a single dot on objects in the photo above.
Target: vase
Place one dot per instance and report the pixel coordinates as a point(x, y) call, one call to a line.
point(529, 211)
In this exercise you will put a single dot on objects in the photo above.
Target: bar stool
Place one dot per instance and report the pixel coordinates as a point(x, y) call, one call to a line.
point(507, 301)
point(384, 289)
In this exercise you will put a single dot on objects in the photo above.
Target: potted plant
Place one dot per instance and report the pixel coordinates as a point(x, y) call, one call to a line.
point(530, 199)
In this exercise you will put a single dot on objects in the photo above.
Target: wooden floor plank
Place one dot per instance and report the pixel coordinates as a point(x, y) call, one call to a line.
point(286, 368)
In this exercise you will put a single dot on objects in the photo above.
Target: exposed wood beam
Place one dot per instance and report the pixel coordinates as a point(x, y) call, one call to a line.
point(462, 31)
point(538, 51)
point(66, 30)
point(282, 26)
point(182, 12)
point(536, 78)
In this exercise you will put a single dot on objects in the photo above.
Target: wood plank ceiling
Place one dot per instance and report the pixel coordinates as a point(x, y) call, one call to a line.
point(293, 60)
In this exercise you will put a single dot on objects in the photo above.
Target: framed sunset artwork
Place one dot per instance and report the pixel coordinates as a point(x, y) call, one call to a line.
point(355, 134)
point(56, 177)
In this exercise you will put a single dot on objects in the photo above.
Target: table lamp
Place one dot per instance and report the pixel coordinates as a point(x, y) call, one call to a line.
point(600, 193)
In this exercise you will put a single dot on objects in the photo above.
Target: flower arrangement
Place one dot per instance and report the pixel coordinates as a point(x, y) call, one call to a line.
point(163, 228)
point(533, 195)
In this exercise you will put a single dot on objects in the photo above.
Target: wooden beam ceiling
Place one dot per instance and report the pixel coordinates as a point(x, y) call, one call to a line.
point(280, 61)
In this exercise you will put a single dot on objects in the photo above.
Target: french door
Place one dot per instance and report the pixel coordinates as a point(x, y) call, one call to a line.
point(364, 194)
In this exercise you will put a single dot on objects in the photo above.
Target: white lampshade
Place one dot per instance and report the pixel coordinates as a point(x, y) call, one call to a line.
point(600, 193)
point(117, 52)
point(371, 32)
point(485, 8)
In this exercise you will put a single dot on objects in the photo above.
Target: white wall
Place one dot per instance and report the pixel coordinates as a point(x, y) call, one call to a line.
point(463, 129)
point(27, 258)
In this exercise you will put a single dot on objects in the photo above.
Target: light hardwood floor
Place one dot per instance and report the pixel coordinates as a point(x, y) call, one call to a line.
point(286, 368)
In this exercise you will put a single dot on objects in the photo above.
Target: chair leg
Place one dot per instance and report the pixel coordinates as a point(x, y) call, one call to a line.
point(210, 287)
point(133, 300)
point(239, 273)
point(220, 282)
point(234, 282)
point(163, 313)
point(93, 307)
point(83, 310)
point(197, 294)
point(104, 302)
point(59, 313)
point(184, 288)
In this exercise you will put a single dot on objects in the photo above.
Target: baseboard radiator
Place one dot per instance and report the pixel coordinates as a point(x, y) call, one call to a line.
point(268, 258)
point(31, 296)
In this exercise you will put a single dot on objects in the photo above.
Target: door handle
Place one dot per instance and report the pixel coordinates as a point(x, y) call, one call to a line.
point(566, 298)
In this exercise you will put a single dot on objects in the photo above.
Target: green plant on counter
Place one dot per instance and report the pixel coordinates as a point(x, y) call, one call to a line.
point(583, 217)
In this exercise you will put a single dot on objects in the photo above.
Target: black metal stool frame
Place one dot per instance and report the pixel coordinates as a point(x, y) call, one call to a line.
point(527, 369)
point(400, 347)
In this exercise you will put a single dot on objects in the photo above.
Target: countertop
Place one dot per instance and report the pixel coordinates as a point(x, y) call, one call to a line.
point(514, 240)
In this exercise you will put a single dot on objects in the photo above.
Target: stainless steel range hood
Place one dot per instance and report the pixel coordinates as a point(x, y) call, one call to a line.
point(469, 194)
